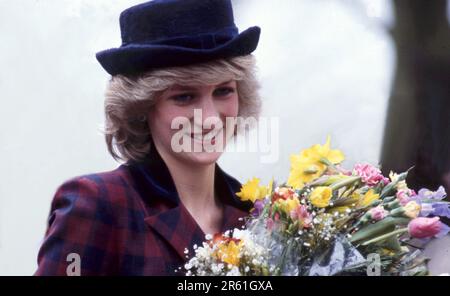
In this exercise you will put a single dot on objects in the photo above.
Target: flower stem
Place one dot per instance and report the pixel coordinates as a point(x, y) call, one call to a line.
point(385, 236)
point(345, 182)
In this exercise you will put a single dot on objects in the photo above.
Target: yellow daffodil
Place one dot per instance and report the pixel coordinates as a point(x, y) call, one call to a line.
point(311, 163)
point(229, 252)
point(321, 196)
point(303, 172)
point(288, 205)
point(367, 199)
point(253, 191)
point(317, 152)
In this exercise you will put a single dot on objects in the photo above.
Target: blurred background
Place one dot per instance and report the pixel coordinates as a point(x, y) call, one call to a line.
point(372, 74)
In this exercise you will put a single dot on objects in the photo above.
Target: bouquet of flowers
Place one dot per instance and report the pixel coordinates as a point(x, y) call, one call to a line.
point(326, 220)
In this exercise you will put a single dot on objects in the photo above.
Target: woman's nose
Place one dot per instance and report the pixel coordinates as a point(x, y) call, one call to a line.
point(209, 108)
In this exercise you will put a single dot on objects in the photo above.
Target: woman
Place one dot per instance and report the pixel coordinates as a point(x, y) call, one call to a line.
point(178, 57)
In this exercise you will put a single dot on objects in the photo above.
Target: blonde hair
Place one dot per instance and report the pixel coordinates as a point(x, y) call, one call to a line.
point(128, 99)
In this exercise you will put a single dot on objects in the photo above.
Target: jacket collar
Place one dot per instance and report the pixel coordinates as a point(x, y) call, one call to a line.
point(173, 221)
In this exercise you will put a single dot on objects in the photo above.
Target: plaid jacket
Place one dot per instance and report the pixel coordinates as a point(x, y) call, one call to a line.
point(128, 221)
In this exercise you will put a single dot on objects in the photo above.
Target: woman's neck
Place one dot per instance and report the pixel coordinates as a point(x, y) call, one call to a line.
point(194, 184)
point(195, 187)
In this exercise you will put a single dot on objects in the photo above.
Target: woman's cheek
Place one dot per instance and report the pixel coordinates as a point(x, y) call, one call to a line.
point(231, 111)
point(231, 107)
point(169, 125)
point(161, 122)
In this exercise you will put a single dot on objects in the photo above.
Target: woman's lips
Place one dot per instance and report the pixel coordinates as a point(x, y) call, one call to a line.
point(206, 137)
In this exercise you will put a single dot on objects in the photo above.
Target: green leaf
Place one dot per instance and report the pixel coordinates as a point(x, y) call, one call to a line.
point(381, 227)
point(390, 188)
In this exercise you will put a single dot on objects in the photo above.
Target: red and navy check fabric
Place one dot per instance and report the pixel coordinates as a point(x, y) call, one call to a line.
point(128, 221)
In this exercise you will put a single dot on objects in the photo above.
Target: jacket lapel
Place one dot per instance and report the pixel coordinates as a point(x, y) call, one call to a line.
point(178, 228)
point(235, 210)
point(233, 218)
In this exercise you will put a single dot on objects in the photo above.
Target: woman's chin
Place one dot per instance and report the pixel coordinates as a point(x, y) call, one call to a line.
point(203, 158)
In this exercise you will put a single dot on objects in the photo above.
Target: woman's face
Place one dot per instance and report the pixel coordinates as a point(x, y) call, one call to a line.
point(179, 130)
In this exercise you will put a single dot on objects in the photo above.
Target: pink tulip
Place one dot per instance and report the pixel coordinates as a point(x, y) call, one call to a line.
point(424, 227)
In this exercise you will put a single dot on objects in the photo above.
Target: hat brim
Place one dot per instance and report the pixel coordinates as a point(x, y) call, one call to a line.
point(137, 58)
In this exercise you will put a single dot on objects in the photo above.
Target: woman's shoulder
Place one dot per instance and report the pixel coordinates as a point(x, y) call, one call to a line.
point(85, 214)
point(105, 186)
point(119, 176)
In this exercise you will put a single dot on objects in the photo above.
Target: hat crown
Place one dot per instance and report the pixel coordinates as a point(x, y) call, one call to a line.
point(175, 33)
point(165, 19)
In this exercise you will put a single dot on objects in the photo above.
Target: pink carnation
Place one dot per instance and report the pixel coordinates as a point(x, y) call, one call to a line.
point(378, 213)
point(403, 196)
point(370, 174)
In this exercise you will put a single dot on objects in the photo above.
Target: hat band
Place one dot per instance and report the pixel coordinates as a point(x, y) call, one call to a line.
point(199, 41)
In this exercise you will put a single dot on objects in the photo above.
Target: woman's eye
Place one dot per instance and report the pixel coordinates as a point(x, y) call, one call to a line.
point(223, 91)
point(183, 98)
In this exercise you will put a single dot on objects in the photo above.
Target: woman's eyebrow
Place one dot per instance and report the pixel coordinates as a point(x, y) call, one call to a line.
point(179, 87)
point(226, 82)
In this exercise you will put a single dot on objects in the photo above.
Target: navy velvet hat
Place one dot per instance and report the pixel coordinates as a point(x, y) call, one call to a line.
point(166, 33)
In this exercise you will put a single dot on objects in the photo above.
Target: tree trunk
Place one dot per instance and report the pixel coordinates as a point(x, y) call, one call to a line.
point(417, 131)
